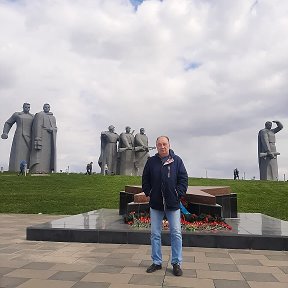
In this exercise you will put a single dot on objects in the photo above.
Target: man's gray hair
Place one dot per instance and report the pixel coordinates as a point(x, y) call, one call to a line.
point(164, 137)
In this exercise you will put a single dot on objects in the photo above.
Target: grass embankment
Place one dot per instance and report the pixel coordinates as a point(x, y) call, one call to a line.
point(78, 193)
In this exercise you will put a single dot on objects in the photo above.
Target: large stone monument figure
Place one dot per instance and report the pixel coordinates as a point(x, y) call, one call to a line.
point(267, 153)
point(108, 157)
point(141, 151)
point(21, 145)
point(126, 153)
point(43, 152)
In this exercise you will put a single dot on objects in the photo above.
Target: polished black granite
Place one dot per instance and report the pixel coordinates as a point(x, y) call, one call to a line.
point(250, 231)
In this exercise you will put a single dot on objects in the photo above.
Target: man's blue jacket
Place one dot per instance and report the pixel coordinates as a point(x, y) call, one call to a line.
point(166, 182)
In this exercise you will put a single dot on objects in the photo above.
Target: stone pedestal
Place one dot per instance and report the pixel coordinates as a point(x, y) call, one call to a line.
point(213, 200)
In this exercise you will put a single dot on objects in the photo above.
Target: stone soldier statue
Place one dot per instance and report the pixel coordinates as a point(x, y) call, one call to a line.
point(267, 153)
point(43, 153)
point(108, 157)
point(21, 145)
point(126, 151)
point(141, 151)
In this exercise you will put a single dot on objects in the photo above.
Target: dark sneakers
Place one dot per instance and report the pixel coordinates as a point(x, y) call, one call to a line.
point(177, 271)
point(153, 268)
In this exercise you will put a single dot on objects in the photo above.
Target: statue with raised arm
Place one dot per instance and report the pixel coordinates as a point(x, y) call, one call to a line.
point(141, 151)
point(108, 157)
point(267, 153)
point(43, 152)
point(21, 145)
point(126, 153)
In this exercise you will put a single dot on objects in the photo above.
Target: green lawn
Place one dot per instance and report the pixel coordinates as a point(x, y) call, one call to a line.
point(78, 193)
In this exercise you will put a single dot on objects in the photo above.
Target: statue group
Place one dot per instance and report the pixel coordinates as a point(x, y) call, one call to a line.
point(34, 144)
point(34, 140)
point(129, 157)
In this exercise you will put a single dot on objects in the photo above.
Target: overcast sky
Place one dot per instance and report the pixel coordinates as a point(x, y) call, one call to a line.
point(206, 73)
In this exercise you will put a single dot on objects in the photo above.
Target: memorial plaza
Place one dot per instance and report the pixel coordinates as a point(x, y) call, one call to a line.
point(44, 264)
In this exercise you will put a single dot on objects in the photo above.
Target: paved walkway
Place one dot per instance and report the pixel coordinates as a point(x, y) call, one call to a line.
point(31, 264)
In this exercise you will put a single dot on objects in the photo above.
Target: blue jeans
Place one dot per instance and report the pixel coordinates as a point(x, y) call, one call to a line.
point(173, 217)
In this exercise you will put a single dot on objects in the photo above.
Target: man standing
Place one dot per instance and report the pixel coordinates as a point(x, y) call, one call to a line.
point(236, 174)
point(141, 151)
point(21, 145)
point(108, 157)
point(23, 168)
point(165, 181)
point(43, 154)
point(267, 153)
point(89, 168)
point(126, 151)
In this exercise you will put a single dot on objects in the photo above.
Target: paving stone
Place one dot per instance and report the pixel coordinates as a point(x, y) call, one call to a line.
point(107, 269)
point(260, 269)
point(147, 263)
point(281, 277)
point(259, 277)
point(31, 273)
point(248, 256)
point(38, 265)
point(8, 251)
point(91, 285)
point(5, 270)
point(278, 257)
point(112, 278)
point(117, 285)
point(89, 260)
point(145, 280)
point(141, 270)
point(13, 263)
point(120, 255)
point(121, 262)
point(189, 273)
point(188, 258)
point(187, 282)
point(253, 284)
point(230, 284)
point(131, 246)
point(240, 251)
point(217, 255)
point(103, 250)
point(11, 282)
point(215, 260)
point(223, 267)
point(253, 262)
point(284, 269)
point(198, 266)
point(203, 274)
point(74, 267)
point(68, 276)
point(2, 246)
point(38, 283)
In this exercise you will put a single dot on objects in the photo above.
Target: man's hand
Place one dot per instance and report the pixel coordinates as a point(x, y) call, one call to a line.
point(270, 155)
point(4, 136)
point(38, 144)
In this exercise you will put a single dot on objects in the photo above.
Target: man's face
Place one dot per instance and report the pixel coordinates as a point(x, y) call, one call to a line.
point(142, 131)
point(128, 129)
point(268, 125)
point(46, 108)
point(111, 128)
point(163, 146)
point(26, 108)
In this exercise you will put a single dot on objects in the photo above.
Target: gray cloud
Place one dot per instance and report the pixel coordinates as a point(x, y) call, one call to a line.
point(208, 74)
